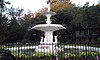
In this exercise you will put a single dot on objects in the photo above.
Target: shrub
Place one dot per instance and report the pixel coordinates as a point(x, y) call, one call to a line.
point(87, 54)
point(44, 54)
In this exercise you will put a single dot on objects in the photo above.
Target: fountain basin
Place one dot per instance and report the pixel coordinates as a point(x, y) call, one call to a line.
point(48, 27)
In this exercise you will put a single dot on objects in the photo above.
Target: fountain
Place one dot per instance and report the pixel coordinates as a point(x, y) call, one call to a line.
point(47, 44)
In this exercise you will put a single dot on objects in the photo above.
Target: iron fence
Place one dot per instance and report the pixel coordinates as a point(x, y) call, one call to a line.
point(30, 51)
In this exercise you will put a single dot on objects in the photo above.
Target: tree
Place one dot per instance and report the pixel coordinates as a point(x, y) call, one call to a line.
point(77, 17)
point(2, 6)
point(3, 28)
point(15, 29)
point(91, 15)
point(59, 5)
point(3, 21)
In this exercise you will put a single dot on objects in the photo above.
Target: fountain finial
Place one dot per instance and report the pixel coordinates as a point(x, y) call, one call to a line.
point(49, 2)
point(49, 13)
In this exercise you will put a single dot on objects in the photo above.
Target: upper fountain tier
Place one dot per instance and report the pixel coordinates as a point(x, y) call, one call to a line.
point(48, 26)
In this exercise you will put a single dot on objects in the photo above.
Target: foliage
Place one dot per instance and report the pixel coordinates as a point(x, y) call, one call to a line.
point(14, 27)
point(35, 55)
point(78, 17)
point(3, 6)
point(69, 55)
point(39, 20)
point(87, 54)
point(20, 55)
point(10, 26)
point(44, 54)
point(59, 5)
point(59, 55)
point(98, 40)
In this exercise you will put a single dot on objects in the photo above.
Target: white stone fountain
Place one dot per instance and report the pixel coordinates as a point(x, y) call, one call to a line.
point(47, 44)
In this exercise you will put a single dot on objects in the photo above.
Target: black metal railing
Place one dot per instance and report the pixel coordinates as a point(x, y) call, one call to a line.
point(79, 51)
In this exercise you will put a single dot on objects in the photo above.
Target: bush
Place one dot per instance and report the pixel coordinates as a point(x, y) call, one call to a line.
point(88, 54)
point(44, 55)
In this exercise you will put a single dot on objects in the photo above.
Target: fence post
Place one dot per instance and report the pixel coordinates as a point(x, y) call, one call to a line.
point(56, 52)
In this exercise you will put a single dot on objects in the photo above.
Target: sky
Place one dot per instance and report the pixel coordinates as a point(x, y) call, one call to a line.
point(35, 5)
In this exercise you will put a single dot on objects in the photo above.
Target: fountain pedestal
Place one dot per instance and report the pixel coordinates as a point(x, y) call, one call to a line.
point(46, 47)
point(47, 44)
